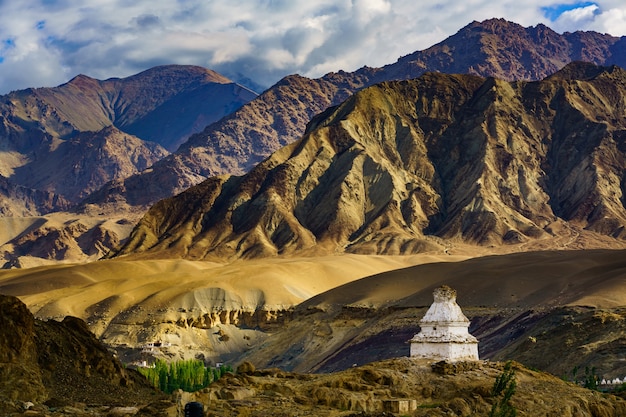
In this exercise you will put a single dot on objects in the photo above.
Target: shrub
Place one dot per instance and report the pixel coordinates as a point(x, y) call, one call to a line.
point(504, 387)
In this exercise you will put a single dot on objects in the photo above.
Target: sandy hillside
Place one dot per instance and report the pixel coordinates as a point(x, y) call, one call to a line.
point(27, 242)
point(595, 278)
point(101, 290)
point(223, 310)
point(553, 310)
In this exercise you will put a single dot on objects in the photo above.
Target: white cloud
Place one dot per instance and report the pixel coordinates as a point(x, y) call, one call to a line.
point(53, 40)
point(580, 17)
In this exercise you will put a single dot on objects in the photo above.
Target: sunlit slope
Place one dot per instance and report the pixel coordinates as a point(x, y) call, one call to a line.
point(138, 291)
point(529, 280)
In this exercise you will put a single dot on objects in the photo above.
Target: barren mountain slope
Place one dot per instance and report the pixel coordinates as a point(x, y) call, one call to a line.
point(551, 310)
point(43, 240)
point(511, 52)
point(235, 144)
point(47, 128)
point(18, 201)
point(77, 166)
point(192, 305)
point(401, 165)
point(60, 144)
point(188, 95)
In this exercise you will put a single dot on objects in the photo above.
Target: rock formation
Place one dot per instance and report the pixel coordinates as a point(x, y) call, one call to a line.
point(59, 362)
point(400, 165)
point(77, 166)
point(20, 376)
point(17, 200)
point(444, 332)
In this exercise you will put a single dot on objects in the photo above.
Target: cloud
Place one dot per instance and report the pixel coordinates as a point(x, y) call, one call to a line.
point(54, 40)
point(600, 16)
point(580, 15)
point(555, 11)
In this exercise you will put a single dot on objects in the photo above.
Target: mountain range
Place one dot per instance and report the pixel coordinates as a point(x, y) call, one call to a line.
point(401, 165)
point(271, 235)
point(72, 139)
point(102, 130)
point(493, 48)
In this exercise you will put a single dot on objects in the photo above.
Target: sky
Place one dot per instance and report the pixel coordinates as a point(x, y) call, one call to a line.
point(44, 43)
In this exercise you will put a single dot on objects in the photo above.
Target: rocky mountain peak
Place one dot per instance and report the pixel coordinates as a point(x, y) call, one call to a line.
point(83, 81)
point(581, 70)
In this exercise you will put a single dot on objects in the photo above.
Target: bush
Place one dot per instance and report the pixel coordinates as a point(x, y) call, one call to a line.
point(504, 387)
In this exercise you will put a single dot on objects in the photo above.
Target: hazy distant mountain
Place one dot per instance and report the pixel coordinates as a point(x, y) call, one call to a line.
point(493, 48)
point(17, 200)
point(71, 139)
point(400, 165)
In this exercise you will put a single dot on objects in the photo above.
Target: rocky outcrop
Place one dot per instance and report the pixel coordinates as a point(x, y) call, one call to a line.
point(374, 389)
point(259, 319)
point(493, 48)
point(73, 240)
point(20, 376)
point(60, 362)
point(34, 241)
point(401, 164)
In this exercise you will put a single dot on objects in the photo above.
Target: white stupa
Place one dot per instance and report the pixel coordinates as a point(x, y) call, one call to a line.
point(444, 331)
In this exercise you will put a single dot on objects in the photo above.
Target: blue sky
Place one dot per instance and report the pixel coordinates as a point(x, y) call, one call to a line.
point(553, 12)
point(47, 42)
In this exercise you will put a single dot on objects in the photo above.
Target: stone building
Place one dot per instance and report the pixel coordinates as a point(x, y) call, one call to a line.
point(444, 331)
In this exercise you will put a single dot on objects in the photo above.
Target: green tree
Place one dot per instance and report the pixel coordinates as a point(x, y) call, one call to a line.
point(591, 379)
point(188, 375)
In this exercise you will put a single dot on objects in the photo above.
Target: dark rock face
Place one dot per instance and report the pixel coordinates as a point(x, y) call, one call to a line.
point(452, 156)
point(61, 362)
point(493, 48)
point(20, 376)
